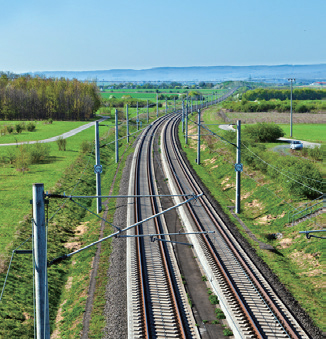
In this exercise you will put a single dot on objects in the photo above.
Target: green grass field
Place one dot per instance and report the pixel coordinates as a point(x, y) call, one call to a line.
point(16, 187)
point(42, 131)
point(265, 205)
point(307, 132)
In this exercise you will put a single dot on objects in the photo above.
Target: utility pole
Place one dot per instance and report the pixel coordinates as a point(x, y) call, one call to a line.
point(116, 137)
point(183, 116)
point(147, 112)
point(137, 121)
point(238, 169)
point(198, 144)
point(40, 264)
point(98, 167)
point(156, 105)
point(127, 117)
point(186, 135)
point(166, 106)
point(291, 81)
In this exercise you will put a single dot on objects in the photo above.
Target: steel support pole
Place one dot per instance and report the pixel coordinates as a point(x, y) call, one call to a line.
point(156, 106)
point(174, 106)
point(98, 162)
point(40, 264)
point(147, 112)
point(166, 106)
point(291, 134)
point(116, 137)
point(198, 144)
point(127, 118)
point(238, 173)
point(186, 134)
point(183, 116)
point(137, 119)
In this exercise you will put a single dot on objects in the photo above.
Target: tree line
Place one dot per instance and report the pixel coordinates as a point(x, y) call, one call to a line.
point(28, 98)
point(284, 94)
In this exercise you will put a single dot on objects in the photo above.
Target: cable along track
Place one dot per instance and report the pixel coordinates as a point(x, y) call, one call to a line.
point(157, 303)
point(252, 308)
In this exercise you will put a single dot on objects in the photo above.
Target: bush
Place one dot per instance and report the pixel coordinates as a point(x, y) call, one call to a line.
point(18, 128)
point(227, 332)
point(264, 132)
point(30, 127)
point(38, 152)
point(315, 153)
point(86, 146)
point(62, 143)
point(219, 314)
point(213, 299)
point(301, 176)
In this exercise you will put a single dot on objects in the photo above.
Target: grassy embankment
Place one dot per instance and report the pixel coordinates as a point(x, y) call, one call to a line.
point(60, 173)
point(264, 208)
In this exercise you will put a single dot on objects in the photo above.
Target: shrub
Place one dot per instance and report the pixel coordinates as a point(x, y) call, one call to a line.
point(22, 159)
point(50, 121)
point(30, 127)
point(219, 314)
point(86, 146)
point(62, 143)
point(9, 129)
point(203, 278)
point(298, 171)
point(302, 108)
point(213, 299)
point(316, 153)
point(38, 152)
point(227, 332)
point(18, 128)
point(264, 132)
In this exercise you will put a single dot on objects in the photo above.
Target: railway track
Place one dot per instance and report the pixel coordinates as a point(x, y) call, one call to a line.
point(252, 308)
point(157, 304)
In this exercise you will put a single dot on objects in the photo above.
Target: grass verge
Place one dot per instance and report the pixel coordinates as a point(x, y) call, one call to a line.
point(265, 206)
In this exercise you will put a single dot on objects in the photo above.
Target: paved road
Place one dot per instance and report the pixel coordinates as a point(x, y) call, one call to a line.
point(64, 135)
point(306, 144)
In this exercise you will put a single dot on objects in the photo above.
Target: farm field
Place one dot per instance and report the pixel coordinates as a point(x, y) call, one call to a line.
point(151, 94)
point(306, 126)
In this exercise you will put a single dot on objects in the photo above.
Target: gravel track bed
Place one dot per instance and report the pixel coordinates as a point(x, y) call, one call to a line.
point(288, 299)
point(115, 309)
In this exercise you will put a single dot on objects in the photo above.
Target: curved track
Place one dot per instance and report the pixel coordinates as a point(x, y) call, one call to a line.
point(253, 308)
point(157, 307)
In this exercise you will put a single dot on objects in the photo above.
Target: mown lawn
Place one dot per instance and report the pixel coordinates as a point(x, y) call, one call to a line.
point(43, 130)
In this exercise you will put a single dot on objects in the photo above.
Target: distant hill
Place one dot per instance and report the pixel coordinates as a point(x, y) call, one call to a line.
point(211, 73)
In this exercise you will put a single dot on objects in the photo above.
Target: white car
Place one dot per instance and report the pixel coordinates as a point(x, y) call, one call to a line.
point(295, 144)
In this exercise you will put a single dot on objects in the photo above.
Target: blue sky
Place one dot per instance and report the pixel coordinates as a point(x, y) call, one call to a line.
point(62, 35)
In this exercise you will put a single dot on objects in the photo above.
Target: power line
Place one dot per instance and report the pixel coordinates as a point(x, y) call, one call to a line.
point(298, 182)
point(302, 176)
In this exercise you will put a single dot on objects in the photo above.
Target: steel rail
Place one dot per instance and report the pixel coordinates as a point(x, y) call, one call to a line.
point(149, 327)
point(277, 313)
point(163, 248)
point(218, 261)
